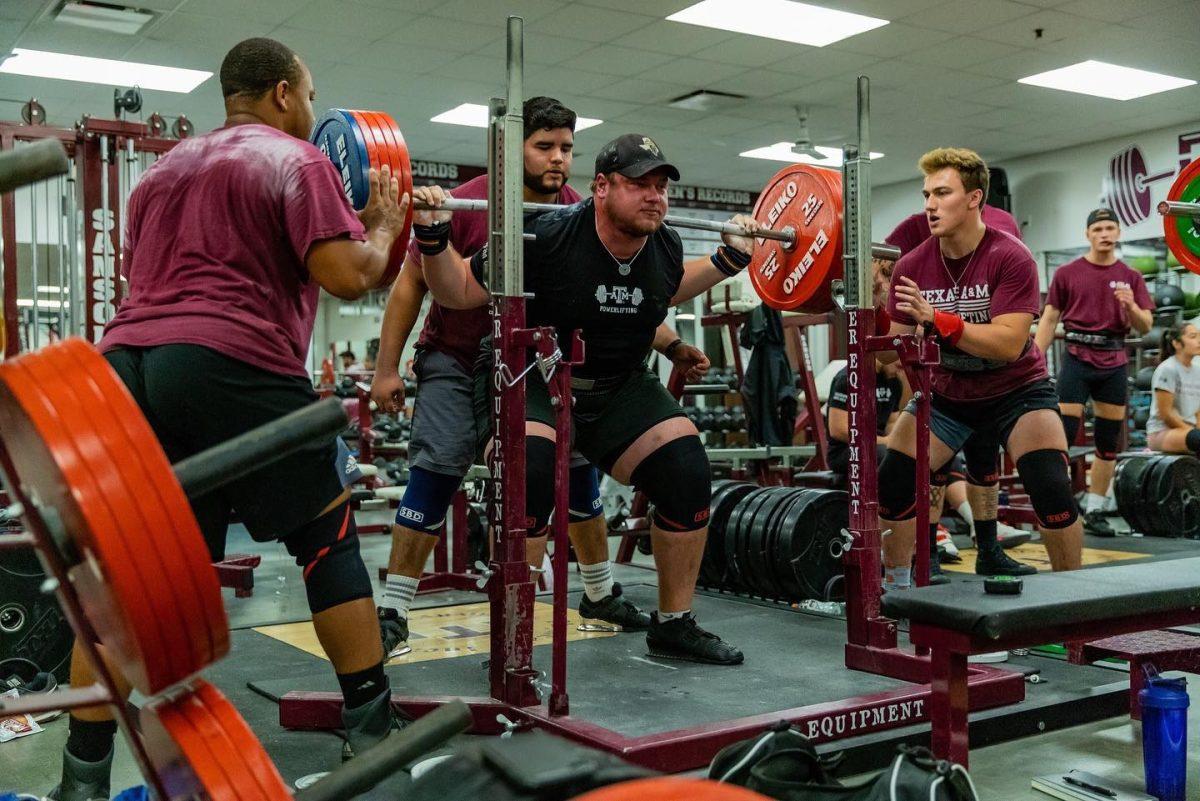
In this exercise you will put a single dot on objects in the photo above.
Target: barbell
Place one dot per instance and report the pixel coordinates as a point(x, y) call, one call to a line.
point(799, 247)
point(1181, 217)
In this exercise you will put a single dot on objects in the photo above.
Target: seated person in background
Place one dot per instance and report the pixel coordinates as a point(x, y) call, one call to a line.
point(888, 392)
point(1174, 420)
point(350, 363)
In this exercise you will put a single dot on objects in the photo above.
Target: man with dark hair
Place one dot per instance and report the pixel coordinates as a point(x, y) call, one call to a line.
point(230, 238)
point(1099, 299)
point(609, 268)
point(976, 290)
point(444, 434)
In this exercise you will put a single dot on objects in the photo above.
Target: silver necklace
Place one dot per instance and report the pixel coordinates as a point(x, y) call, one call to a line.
point(626, 267)
point(962, 275)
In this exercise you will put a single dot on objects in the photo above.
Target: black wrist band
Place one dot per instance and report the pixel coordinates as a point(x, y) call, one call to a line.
point(729, 261)
point(742, 260)
point(432, 239)
point(669, 349)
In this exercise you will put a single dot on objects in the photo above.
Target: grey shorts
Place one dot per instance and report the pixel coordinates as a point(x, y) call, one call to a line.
point(443, 427)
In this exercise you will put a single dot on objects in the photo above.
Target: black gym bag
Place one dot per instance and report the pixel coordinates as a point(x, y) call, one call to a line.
point(532, 766)
point(783, 764)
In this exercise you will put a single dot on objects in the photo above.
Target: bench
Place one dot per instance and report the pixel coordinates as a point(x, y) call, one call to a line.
point(1166, 650)
point(959, 619)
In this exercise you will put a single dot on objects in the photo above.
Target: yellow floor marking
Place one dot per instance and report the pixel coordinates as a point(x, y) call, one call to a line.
point(440, 633)
point(1032, 553)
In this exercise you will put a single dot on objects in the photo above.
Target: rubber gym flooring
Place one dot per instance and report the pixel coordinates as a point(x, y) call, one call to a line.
point(792, 659)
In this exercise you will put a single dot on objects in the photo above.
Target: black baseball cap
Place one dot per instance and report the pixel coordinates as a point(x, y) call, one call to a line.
point(1101, 215)
point(633, 155)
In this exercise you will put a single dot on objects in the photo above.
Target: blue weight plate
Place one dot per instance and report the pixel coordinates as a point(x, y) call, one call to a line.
point(338, 135)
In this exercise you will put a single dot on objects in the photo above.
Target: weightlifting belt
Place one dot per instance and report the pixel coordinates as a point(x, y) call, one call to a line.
point(598, 384)
point(966, 363)
point(1096, 341)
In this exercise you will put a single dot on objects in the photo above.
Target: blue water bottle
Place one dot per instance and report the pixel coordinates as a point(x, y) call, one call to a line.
point(1164, 735)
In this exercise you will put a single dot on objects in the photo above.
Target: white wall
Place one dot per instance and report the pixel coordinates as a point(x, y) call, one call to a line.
point(1053, 192)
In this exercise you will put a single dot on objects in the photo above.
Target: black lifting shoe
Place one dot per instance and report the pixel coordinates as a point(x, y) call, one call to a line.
point(393, 629)
point(611, 613)
point(997, 563)
point(1096, 523)
point(936, 575)
point(680, 638)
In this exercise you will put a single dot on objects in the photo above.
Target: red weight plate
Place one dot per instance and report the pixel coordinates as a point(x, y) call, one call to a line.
point(382, 131)
point(137, 641)
point(244, 740)
point(1186, 187)
point(153, 530)
point(184, 762)
point(240, 777)
point(374, 146)
point(802, 198)
point(191, 550)
point(128, 555)
point(388, 148)
point(406, 176)
point(823, 298)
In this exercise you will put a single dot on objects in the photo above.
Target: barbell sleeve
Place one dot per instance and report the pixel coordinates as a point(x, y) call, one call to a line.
point(259, 447)
point(787, 235)
point(29, 164)
point(1178, 208)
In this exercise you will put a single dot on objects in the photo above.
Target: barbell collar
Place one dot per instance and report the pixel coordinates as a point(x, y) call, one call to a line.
point(878, 251)
point(260, 447)
point(1178, 208)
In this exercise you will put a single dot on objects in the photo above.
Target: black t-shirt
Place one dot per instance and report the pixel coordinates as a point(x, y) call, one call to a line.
point(577, 284)
point(887, 401)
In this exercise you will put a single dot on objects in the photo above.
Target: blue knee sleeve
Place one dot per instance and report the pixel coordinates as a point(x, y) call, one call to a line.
point(426, 499)
point(327, 548)
point(678, 483)
point(585, 493)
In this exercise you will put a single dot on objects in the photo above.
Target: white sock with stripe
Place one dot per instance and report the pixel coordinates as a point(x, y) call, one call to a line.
point(597, 580)
point(398, 593)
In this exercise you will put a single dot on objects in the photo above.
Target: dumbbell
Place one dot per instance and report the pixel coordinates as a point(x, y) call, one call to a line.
point(1141, 416)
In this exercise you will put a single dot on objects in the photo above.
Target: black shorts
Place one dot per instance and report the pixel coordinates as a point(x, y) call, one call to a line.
point(608, 415)
point(1078, 381)
point(195, 398)
point(956, 422)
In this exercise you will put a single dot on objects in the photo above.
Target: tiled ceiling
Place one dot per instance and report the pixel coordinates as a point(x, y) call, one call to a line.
point(942, 73)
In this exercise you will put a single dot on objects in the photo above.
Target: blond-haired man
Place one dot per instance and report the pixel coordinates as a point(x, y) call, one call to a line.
point(975, 289)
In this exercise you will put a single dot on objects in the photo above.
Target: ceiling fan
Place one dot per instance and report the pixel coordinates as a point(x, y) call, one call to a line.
point(804, 145)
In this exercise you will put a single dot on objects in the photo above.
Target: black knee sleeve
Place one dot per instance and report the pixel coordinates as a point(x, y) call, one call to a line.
point(1045, 477)
point(1192, 441)
point(677, 481)
point(1071, 425)
point(981, 463)
point(1106, 434)
point(539, 483)
point(327, 548)
point(897, 486)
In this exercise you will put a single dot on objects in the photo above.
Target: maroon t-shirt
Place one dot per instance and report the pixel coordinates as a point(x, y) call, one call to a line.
point(458, 332)
point(1000, 277)
point(914, 230)
point(1083, 293)
point(216, 236)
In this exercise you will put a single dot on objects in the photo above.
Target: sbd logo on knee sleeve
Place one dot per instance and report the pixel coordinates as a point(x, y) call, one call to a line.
point(410, 514)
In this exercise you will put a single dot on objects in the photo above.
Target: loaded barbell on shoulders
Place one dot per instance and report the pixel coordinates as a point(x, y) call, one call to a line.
point(799, 252)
